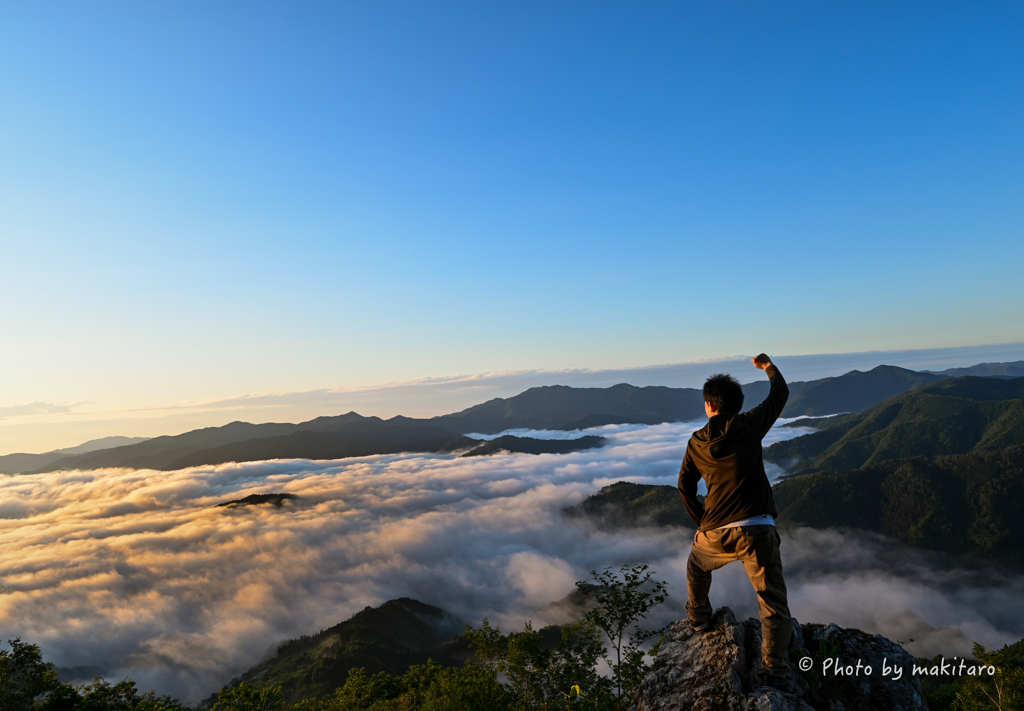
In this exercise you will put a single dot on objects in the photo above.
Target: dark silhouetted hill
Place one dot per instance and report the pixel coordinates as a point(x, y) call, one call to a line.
point(159, 452)
point(357, 439)
point(349, 435)
point(277, 500)
point(530, 445)
point(557, 406)
point(389, 638)
point(626, 504)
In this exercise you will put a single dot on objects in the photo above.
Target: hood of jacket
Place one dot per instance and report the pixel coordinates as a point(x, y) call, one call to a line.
point(718, 437)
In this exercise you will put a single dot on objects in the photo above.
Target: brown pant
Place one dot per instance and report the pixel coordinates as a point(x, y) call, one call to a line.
point(758, 548)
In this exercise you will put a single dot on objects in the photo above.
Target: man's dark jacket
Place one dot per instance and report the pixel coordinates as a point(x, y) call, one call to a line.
point(726, 453)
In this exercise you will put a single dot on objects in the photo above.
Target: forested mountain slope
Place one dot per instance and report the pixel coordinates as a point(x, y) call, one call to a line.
point(958, 416)
point(842, 444)
point(388, 638)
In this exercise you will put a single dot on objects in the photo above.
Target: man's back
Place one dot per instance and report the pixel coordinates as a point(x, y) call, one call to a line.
point(726, 453)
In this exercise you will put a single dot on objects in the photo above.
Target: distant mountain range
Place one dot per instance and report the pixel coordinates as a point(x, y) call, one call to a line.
point(560, 407)
point(322, 438)
point(338, 437)
point(985, 370)
point(15, 463)
point(555, 407)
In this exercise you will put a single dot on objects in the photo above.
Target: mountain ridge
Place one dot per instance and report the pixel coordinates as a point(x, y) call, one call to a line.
point(556, 407)
point(953, 416)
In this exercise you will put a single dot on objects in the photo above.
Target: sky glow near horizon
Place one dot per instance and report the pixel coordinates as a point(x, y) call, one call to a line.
point(202, 201)
point(134, 571)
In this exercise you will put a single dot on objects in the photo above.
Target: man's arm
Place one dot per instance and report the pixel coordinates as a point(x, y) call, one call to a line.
point(689, 476)
point(764, 415)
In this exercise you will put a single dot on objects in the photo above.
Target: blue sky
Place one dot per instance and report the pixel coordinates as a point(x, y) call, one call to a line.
point(204, 200)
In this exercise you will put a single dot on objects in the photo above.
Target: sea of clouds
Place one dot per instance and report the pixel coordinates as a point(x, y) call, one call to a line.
point(139, 573)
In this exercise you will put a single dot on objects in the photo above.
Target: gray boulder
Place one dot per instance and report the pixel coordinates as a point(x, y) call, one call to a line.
point(718, 671)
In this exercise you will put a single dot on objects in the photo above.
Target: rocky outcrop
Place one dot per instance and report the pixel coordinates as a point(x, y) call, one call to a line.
point(717, 671)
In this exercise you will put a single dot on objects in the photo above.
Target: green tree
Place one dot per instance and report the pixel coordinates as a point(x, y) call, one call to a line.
point(470, 688)
point(487, 643)
point(539, 677)
point(25, 679)
point(101, 695)
point(27, 683)
point(357, 694)
point(623, 599)
point(574, 669)
point(427, 687)
point(1002, 692)
point(245, 697)
point(527, 666)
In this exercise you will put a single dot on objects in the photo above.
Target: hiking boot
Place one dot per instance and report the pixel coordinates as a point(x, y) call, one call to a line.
point(782, 684)
point(702, 627)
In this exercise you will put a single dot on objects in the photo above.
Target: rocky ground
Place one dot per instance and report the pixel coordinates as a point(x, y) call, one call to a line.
point(717, 671)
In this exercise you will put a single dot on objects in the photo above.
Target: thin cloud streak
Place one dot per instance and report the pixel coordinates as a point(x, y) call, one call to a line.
point(34, 409)
point(430, 396)
point(134, 569)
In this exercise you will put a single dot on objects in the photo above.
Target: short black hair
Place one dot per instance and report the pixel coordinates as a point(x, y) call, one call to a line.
point(724, 392)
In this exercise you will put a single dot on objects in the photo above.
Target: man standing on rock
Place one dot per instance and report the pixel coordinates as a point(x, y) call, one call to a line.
point(736, 520)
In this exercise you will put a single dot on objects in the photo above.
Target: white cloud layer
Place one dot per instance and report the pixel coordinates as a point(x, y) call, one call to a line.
point(135, 571)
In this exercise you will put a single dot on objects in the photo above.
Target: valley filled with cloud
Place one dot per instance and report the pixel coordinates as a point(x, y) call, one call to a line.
point(141, 574)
